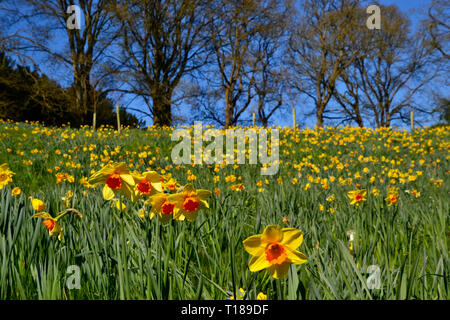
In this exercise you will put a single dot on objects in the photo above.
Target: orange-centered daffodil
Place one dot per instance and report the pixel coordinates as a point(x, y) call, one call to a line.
point(5, 175)
point(275, 250)
point(188, 202)
point(116, 177)
point(54, 228)
point(162, 207)
point(357, 196)
point(147, 183)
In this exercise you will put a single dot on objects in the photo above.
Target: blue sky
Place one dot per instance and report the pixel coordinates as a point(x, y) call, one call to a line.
point(411, 7)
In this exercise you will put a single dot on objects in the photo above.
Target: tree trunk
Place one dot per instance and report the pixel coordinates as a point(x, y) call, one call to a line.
point(162, 107)
point(358, 117)
point(229, 109)
point(162, 114)
point(319, 115)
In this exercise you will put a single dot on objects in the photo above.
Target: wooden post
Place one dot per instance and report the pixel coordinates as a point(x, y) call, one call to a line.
point(254, 119)
point(118, 118)
point(411, 113)
point(293, 118)
point(94, 120)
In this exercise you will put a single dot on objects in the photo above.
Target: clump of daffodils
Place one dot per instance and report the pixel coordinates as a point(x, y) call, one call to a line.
point(5, 175)
point(168, 200)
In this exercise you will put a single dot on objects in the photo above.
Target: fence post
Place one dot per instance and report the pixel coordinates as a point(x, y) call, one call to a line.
point(293, 118)
point(118, 117)
point(94, 121)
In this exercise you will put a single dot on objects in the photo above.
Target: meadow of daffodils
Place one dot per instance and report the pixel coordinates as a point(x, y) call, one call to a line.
point(351, 214)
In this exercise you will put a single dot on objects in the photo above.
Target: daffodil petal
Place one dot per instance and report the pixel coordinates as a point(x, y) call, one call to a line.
point(292, 237)
point(157, 186)
point(279, 271)
point(296, 257)
point(203, 194)
point(189, 188)
point(157, 201)
point(108, 193)
point(203, 204)
point(272, 233)
point(177, 198)
point(128, 179)
point(258, 263)
point(152, 176)
point(254, 245)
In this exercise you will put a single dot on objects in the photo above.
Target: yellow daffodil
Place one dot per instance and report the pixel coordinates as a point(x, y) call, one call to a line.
point(392, 197)
point(375, 191)
point(147, 183)
point(261, 296)
point(414, 192)
point(240, 295)
point(37, 204)
point(16, 191)
point(162, 207)
point(275, 250)
point(5, 175)
point(54, 228)
point(116, 178)
point(170, 184)
point(357, 196)
point(188, 202)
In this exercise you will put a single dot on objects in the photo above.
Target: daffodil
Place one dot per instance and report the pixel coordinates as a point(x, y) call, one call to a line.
point(275, 250)
point(5, 175)
point(162, 207)
point(116, 178)
point(37, 204)
point(169, 184)
point(392, 197)
point(261, 296)
point(16, 191)
point(357, 196)
point(147, 183)
point(240, 295)
point(54, 228)
point(188, 202)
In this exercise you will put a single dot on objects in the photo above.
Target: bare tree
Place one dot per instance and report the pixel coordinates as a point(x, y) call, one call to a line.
point(267, 60)
point(438, 26)
point(161, 42)
point(235, 25)
point(398, 66)
point(83, 47)
point(321, 48)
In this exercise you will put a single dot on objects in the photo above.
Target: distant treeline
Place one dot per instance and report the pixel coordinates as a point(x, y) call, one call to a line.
point(28, 95)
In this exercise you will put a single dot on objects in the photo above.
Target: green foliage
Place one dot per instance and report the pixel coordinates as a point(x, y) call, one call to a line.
point(122, 256)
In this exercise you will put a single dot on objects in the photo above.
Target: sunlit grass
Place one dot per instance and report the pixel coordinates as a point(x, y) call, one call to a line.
point(122, 256)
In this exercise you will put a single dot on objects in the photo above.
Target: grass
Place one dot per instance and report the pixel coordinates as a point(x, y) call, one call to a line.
point(122, 256)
